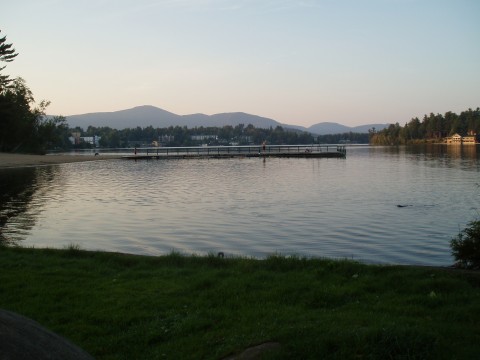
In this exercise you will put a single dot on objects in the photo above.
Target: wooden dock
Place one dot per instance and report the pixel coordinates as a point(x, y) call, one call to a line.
point(221, 152)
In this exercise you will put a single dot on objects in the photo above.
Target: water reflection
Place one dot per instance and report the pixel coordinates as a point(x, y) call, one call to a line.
point(434, 151)
point(340, 208)
point(18, 208)
point(440, 155)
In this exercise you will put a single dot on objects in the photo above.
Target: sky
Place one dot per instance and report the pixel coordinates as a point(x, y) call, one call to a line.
point(353, 62)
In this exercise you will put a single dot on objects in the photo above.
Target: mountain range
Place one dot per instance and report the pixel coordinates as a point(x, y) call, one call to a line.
point(147, 115)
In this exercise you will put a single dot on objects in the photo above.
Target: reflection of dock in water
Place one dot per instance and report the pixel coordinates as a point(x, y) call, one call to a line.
point(220, 152)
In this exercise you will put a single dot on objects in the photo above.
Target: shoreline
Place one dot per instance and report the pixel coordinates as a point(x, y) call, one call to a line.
point(8, 160)
point(220, 308)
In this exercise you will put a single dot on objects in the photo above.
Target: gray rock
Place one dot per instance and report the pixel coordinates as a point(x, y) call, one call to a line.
point(24, 339)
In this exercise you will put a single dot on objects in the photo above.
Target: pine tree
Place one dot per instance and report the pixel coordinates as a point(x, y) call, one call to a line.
point(7, 54)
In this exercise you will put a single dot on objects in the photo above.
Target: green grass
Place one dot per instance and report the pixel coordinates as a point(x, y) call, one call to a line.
point(118, 306)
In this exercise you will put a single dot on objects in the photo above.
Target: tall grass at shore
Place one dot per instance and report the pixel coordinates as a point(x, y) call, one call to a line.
point(118, 306)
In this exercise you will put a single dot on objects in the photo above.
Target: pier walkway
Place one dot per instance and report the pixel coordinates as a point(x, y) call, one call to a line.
point(218, 152)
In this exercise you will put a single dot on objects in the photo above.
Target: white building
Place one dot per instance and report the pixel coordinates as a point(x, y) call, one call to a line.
point(94, 140)
point(204, 137)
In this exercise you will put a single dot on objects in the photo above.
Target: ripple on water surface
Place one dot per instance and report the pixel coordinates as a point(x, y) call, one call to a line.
point(345, 208)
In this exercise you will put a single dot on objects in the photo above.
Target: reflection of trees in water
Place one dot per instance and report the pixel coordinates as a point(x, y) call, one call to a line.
point(18, 207)
point(441, 150)
point(441, 155)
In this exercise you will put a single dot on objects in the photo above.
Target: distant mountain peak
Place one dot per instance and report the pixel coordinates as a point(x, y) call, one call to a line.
point(149, 115)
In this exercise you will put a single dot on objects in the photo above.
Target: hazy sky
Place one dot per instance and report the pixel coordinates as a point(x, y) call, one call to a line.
point(299, 62)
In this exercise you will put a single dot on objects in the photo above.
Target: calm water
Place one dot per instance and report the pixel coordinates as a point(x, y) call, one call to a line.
point(339, 208)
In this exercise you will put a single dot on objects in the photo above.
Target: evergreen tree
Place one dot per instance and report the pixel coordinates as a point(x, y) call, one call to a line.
point(7, 54)
point(23, 127)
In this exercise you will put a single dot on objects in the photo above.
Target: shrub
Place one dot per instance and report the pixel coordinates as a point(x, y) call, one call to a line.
point(466, 246)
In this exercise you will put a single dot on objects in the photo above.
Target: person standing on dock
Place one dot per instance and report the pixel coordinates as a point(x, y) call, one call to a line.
point(264, 146)
point(135, 151)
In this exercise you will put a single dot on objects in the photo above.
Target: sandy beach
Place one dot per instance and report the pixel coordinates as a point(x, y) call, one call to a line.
point(20, 160)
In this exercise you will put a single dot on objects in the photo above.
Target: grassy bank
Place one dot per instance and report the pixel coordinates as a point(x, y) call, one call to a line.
point(133, 307)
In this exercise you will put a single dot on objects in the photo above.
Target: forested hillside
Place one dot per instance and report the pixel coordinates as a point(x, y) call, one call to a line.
point(432, 128)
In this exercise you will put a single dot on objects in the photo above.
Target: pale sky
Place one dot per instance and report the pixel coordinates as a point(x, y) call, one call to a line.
point(299, 62)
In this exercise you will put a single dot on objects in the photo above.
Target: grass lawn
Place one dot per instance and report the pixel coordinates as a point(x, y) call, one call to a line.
point(118, 306)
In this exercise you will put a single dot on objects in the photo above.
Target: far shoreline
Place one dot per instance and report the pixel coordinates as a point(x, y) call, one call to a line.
point(10, 160)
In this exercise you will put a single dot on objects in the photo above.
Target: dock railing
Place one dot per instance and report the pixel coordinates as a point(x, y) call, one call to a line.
point(246, 150)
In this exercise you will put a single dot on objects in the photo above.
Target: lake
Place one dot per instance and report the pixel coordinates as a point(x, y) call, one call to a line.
point(394, 205)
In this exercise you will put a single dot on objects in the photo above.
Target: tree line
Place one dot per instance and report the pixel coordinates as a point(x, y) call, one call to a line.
point(431, 128)
point(226, 135)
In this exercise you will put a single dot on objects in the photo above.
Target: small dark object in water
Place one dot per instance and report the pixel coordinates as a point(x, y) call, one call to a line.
point(96, 154)
point(221, 254)
point(403, 206)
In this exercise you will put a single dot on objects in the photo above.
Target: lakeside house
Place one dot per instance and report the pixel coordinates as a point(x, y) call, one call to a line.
point(457, 139)
point(76, 139)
